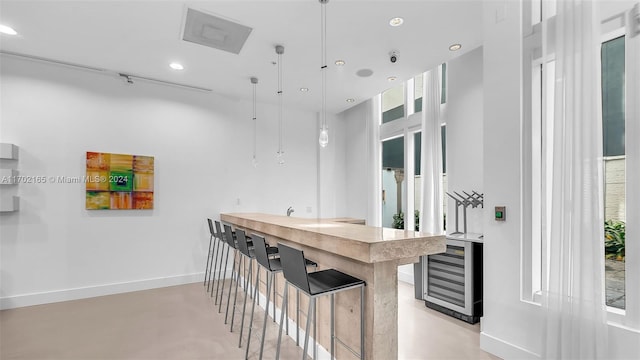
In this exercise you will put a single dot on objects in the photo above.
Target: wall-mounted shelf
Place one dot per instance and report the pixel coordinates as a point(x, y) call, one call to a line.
point(8, 176)
point(10, 204)
point(8, 151)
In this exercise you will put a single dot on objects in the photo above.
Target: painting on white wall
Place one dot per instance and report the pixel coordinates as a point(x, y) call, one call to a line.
point(119, 181)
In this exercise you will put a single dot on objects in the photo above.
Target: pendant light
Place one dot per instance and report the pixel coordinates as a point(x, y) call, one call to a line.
point(254, 160)
point(324, 130)
point(280, 154)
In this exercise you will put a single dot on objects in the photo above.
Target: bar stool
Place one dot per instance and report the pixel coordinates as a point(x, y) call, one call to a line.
point(212, 237)
point(246, 253)
point(234, 243)
point(272, 266)
point(224, 246)
point(214, 252)
point(316, 284)
point(231, 245)
point(240, 244)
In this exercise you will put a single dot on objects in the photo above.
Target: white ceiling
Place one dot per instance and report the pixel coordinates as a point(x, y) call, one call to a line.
point(143, 37)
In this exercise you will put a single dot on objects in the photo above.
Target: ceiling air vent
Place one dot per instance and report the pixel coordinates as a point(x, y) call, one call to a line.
point(215, 32)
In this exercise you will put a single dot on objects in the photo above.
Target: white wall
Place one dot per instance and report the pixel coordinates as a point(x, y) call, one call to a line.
point(53, 249)
point(332, 197)
point(510, 328)
point(357, 160)
point(464, 136)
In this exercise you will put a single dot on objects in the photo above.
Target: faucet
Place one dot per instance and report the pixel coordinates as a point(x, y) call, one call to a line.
point(290, 210)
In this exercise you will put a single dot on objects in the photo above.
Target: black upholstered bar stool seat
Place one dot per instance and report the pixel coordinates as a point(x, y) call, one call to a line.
point(331, 280)
point(316, 284)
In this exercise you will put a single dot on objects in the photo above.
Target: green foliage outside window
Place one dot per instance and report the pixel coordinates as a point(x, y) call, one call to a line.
point(614, 238)
point(398, 220)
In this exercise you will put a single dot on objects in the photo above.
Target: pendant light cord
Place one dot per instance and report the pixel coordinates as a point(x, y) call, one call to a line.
point(323, 139)
point(255, 123)
point(324, 64)
point(280, 51)
point(280, 104)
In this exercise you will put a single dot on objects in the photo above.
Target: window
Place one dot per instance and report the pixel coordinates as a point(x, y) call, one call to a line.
point(393, 182)
point(417, 174)
point(401, 152)
point(613, 129)
point(443, 90)
point(418, 83)
point(619, 122)
point(393, 104)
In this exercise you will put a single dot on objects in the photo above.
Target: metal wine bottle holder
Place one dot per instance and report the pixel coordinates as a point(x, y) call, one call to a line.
point(474, 199)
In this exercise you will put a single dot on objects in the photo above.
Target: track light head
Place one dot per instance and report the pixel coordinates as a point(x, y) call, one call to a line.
point(128, 78)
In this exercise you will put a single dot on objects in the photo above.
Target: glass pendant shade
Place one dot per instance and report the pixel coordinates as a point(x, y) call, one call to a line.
point(324, 137)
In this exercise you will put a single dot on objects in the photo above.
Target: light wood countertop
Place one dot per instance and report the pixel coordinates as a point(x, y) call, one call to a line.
point(360, 242)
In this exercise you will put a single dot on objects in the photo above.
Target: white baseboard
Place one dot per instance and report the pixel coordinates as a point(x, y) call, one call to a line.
point(504, 349)
point(16, 301)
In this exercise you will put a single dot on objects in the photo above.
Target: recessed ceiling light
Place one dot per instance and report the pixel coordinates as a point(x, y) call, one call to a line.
point(351, 100)
point(391, 78)
point(364, 72)
point(7, 30)
point(340, 62)
point(304, 89)
point(455, 47)
point(176, 66)
point(396, 21)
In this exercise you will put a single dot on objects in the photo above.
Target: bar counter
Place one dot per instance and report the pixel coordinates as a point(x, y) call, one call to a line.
point(369, 253)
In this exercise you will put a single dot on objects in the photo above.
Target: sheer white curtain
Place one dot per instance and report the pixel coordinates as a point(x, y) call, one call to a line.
point(574, 293)
point(431, 162)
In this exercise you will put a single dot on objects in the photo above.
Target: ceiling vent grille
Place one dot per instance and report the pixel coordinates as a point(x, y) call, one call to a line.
point(214, 32)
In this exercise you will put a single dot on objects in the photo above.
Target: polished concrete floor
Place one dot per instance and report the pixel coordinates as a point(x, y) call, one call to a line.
point(180, 322)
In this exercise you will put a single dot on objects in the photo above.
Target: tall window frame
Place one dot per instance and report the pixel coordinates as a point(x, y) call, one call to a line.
point(407, 126)
point(537, 89)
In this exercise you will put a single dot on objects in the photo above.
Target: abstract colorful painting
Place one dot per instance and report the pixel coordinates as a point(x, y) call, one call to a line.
point(119, 181)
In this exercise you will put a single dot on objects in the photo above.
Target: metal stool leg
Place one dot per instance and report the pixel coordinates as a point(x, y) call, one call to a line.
point(284, 303)
point(256, 295)
point(297, 317)
point(315, 333)
point(235, 295)
point(208, 259)
point(275, 289)
point(333, 325)
point(213, 263)
point(247, 280)
point(219, 255)
point(224, 276)
point(233, 272)
point(266, 311)
point(362, 322)
point(312, 303)
point(207, 272)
